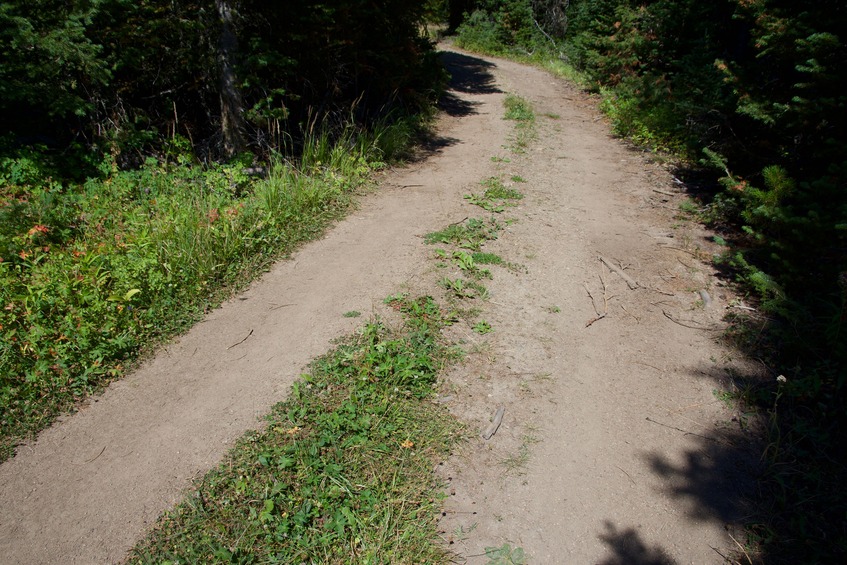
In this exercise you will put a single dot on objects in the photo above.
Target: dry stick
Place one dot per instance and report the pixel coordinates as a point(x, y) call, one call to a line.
point(750, 561)
point(627, 474)
point(664, 192)
point(675, 321)
point(661, 291)
point(277, 307)
point(495, 424)
point(629, 281)
point(242, 341)
point(637, 319)
point(594, 304)
point(98, 455)
point(457, 223)
point(649, 365)
point(686, 432)
point(692, 253)
point(605, 298)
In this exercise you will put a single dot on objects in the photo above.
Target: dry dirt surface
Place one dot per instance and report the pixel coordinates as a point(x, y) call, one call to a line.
point(613, 448)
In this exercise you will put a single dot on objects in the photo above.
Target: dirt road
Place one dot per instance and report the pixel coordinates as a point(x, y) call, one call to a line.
point(613, 448)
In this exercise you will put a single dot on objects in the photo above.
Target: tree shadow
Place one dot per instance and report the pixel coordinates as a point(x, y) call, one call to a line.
point(468, 75)
point(715, 478)
point(627, 548)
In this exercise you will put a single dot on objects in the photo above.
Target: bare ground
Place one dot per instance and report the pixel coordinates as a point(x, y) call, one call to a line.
point(613, 448)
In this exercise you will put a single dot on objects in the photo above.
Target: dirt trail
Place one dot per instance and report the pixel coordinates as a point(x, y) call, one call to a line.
point(616, 449)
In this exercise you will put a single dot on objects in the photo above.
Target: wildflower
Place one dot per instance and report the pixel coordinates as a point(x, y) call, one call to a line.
point(213, 215)
point(38, 228)
point(408, 444)
point(781, 379)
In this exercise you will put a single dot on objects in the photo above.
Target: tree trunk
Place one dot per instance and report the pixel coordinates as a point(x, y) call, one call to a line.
point(457, 11)
point(232, 111)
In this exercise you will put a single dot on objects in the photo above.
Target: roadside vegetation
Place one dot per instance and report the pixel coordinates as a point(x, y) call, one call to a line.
point(156, 156)
point(747, 99)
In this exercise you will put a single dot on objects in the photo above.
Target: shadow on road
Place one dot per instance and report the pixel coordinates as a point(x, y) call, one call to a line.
point(627, 548)
point(469, 75)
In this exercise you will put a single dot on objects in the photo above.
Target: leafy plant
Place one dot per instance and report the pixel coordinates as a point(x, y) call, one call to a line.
point(468, 235)
point(505, 555)
point(482, 327)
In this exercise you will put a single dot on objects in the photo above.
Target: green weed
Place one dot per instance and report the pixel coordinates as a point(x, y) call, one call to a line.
point(519, 109)
point(466, 263)
point(482, 327)
point(468, 235)
point(461, 288)
point(496, 197)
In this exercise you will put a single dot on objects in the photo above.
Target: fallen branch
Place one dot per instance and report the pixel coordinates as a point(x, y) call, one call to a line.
point(495, 424)
point(629, 280)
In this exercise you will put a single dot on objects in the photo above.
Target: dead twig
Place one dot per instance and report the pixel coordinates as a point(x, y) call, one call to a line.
point(661, 291)
point(627, 475)
point(692, 253)
point(686, 432)
point(649, 365)
point(664, 192)
point(592, 320)
point(630, 282)
point(693, 327)
point(600, 315)
point(277, 307)
point(240, 342)
point(495, 424)
point(98, 455)
point(457, 223)
point(744, 551)
point(637, 319)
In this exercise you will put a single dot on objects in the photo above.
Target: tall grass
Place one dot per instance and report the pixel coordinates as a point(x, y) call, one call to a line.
point(93, 273)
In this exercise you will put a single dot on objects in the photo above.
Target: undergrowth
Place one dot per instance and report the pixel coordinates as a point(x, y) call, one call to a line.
point(343, 471)
point(93, 273)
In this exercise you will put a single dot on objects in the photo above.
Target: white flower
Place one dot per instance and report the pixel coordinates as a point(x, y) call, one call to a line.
point(781, 379)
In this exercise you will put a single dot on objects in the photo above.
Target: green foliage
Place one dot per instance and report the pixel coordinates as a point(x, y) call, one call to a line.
point(468, 235)
point(513, 27)
point(91, 273)
point(123, 78)
point(496, 197)
point(343, 470)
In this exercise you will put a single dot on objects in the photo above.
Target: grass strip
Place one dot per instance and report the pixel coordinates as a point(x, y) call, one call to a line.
point(520, 110)
point(343, 471)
